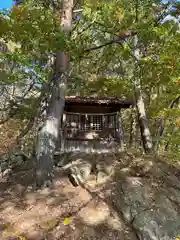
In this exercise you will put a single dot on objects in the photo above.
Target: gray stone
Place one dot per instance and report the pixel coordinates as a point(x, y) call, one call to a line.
point(162, 221)
point(102, 177)
point(148, 209)
point(106, 167)
point(80, 171)
point(158, 223)
point(3, 166)
point(60, 159)
point(133, 193)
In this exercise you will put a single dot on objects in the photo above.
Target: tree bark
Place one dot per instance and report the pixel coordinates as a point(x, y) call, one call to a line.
point(49, 133)
point(143, 121)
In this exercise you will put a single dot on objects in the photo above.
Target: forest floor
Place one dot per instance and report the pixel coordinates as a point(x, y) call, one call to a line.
point(97, 210)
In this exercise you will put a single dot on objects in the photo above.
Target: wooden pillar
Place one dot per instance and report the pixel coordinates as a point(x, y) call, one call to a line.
point(79, 130)
point(103, 123)
point(120, 130)
point(60, 139)
point(63, 132)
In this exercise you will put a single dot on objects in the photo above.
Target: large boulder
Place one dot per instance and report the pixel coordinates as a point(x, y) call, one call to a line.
point(149, 207)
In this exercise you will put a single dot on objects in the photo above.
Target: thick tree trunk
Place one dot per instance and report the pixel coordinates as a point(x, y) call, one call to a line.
point(143, 122)
point(49, 132)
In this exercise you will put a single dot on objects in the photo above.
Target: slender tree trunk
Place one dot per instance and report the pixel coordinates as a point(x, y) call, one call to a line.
point(162, 124)
point(171, 132)
point(143, 122)
point(49, 133)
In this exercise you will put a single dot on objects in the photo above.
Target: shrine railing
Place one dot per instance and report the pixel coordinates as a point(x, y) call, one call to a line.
point(91, 132)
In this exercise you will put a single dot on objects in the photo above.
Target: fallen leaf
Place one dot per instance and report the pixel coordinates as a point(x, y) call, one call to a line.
point(66, 221)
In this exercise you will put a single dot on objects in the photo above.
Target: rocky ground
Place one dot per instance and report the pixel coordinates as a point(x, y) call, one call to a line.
point(133, 197)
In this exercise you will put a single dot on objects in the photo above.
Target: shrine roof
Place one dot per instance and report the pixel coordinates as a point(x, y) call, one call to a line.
point(79, 100)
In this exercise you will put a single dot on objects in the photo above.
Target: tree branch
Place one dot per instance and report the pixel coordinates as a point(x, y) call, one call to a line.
point(174, 102)
point(118, 40)
point(121, 39)
point(75, 4)
point(162, 15)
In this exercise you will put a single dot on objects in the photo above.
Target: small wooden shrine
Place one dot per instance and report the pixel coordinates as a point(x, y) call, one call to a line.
point(92, 124)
